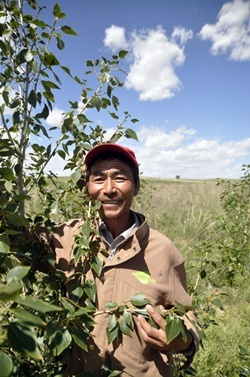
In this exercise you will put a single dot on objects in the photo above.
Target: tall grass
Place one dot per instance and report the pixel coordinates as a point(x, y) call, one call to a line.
point(179, 209)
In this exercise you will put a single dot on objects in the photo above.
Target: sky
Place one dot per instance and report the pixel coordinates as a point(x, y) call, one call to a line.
point(188, 80)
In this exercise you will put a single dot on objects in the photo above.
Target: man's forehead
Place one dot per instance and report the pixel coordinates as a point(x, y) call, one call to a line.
point(111, 164)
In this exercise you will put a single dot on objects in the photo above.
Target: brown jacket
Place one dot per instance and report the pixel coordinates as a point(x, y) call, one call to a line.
point(146, 251)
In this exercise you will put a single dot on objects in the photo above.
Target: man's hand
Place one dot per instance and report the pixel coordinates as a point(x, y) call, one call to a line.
point(156, 338)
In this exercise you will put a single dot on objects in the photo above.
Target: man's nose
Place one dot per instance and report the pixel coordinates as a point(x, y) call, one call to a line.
point(109, 186)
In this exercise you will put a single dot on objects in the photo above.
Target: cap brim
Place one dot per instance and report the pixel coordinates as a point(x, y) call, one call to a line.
point(110, 147)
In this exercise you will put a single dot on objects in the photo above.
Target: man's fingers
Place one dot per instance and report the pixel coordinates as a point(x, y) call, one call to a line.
point(154, 337)
point(159, 320)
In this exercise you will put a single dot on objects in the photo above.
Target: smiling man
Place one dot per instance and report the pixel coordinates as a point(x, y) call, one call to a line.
point(138, 259)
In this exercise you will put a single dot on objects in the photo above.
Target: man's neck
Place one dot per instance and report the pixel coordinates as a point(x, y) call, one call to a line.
point(119, 225)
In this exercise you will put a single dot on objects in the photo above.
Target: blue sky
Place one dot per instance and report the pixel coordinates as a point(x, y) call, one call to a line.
point(188, 79)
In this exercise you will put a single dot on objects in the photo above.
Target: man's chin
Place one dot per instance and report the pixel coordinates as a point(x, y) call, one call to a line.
point(109, 215)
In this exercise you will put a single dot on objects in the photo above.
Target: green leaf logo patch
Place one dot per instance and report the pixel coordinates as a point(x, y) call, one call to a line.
point(143, 277)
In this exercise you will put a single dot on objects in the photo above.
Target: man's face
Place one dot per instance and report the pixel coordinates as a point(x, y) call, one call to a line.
point(111, 182)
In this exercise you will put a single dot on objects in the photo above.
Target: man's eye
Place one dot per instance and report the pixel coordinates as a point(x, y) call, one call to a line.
point(98, 179)
point(120, 178)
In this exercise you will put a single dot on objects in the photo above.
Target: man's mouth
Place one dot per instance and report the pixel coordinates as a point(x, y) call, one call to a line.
point(110, 202)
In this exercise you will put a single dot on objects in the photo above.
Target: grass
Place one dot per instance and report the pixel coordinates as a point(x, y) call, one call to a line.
point(179, 209)
point(226, 347)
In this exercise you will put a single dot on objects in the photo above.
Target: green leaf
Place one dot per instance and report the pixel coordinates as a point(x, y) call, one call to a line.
point(115, 102)
point(68, 30)
point(25, 317)
point(7, 174)
point(180, 308)
point(60, 44)
point(122, 54)
point(124, 327)
point(183, 330)
point(49, 85)
point(115, 373)
point(49, 59)
point(112, 322)
point(5, 95)
point(54, 208)
point(62, 154)
point(90, 289)
point(32, 98)
point(139, 300)
point(25, 55)
point(67, 305)
point(67, 70)
point(86, 229)
point(134, 120)
point(17, 273)
point(76, 293)
point(97, 264)
point(105, 103)
point(16, 117)
point(10, 292)
point(203, 274)
point(109, 90)
point(83, 119)
point(57, 12)
point(38, 305)
point(17, 220)
point(4, 244)
point(6, 364)
point(59, 341)
point(97, 102)
point(111, 305)
point(89, 63)
point(112, 335)
point(128, 317)
point(152, 322)
point(172, 330)
point(23, 340)
point(45, 35)
point(39, 23)
point(131, 134)
point(81, 312)
point(80, 337)
point(114, 116)
point(48, 151)
point(76, 175)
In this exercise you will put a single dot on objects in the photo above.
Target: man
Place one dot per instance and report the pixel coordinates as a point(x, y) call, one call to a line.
point(134, 250)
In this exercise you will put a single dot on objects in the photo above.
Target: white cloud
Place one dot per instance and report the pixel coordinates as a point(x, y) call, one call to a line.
point(154, 58)
point(115, 38)
point(182, 34)
point(231, 33)
point(181, 152)
point(168, 140)
point(55, 117)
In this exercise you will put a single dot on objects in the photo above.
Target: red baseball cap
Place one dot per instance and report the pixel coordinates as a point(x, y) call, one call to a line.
point(110, 147)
